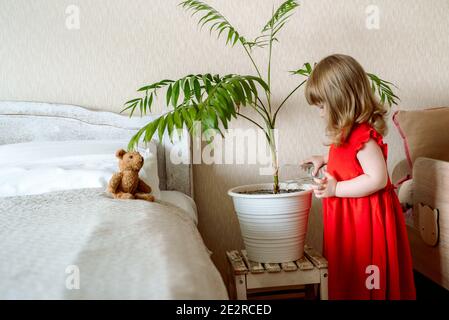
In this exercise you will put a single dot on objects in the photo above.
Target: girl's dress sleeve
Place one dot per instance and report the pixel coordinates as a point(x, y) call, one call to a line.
point(363, 133)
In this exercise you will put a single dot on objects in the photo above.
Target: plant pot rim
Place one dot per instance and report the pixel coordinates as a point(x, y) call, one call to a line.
point(233, 192)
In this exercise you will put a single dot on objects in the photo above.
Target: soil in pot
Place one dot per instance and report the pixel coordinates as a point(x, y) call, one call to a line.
point(267, 191)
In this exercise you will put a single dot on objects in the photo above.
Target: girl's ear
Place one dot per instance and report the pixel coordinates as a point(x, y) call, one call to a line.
point(120, 153)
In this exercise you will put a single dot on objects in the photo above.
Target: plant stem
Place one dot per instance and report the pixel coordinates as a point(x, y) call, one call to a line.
point(260, 76)
point(259, 110)
point(262, 105)
point(249, 119)
point(274, 161)
point(252, 60)
point(276, 188)
point(269, 66)
point(285, 100)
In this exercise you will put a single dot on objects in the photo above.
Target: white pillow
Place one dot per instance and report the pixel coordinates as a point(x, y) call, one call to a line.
point(39, 167)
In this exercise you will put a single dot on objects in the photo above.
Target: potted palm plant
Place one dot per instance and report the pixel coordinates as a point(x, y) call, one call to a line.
point(273, 222)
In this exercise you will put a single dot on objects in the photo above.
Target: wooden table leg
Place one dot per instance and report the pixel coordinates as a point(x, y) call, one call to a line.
point(240, 287)
point(323, 284)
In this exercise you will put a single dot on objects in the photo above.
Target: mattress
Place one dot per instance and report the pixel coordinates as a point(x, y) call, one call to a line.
point(83, 244)
point(182, 201)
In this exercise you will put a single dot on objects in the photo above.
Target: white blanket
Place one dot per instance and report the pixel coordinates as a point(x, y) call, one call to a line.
point(123, 249)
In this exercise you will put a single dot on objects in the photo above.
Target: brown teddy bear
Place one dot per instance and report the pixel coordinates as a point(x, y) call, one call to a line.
point(126, 184)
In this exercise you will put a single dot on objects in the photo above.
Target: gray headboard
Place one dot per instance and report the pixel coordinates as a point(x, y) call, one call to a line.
point(33, 121)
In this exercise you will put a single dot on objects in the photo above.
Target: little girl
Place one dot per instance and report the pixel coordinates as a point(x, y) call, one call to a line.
point(365, 239)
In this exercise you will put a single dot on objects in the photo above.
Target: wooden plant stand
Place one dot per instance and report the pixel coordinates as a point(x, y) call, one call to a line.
point(252, 280)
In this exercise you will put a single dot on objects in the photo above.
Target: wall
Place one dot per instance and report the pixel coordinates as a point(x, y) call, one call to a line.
point(124, 44)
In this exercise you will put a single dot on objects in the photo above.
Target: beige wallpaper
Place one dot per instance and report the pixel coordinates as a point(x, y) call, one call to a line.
point(123, 44)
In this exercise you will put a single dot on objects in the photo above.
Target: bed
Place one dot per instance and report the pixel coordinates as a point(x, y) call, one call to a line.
point(64, 237)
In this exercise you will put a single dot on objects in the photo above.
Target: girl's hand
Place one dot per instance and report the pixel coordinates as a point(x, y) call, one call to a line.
point(326, 187)
point(317, 161)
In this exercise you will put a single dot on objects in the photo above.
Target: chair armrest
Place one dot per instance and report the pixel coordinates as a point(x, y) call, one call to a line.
point(431, 179)
point(431, 188)
point(401, 177)
point(400, 171)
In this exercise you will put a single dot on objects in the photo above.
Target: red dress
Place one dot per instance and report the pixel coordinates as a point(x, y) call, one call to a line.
point(366, 231)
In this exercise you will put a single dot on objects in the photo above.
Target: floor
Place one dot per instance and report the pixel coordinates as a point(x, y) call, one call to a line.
point(428, 290)
point(425, 290)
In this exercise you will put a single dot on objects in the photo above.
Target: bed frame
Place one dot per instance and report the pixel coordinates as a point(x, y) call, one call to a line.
point(34, 121)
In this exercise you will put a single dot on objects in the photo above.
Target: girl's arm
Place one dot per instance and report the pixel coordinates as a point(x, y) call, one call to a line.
point(375, 176)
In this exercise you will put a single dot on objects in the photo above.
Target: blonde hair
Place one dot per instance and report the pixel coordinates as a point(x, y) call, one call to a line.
point(340, 83)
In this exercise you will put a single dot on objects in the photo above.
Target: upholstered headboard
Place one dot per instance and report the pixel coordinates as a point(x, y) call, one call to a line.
point(33, 121)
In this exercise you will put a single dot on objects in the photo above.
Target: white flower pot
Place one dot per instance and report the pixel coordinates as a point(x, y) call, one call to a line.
point(273, 226)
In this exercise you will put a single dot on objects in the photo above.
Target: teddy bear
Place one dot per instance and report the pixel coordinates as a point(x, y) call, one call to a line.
point(126, 184)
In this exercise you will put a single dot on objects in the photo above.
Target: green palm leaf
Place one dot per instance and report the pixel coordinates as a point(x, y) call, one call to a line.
point(274, 25)
point(383, 89)
point(215, 19)
point(280, 16)
point(212, 100)
point(306, 70)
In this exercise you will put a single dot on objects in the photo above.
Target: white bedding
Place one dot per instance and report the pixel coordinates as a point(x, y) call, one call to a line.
point(45, 166)
point(182, 201)
point(124, 249)
point(55, 216)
